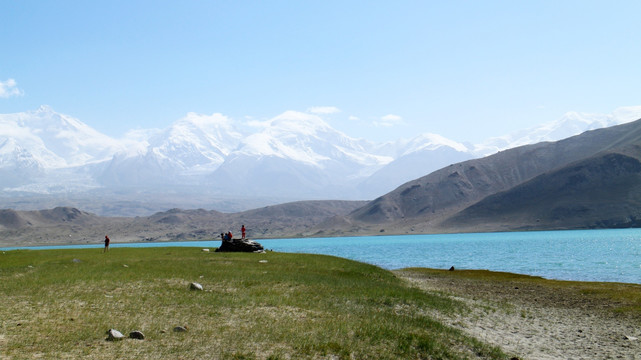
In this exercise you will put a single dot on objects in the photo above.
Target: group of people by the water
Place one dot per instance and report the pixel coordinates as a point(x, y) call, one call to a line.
point(229, 236)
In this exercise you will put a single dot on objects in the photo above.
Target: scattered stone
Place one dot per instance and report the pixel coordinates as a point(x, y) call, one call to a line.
point(452, 268)
point(240, 245)
point(76, 260)
point(180, 329)
point(125, 265)
point(205, 250)
point(195, 286)
point(114, 335)
point(263, 261)
point(137, 335)
point(631, 338)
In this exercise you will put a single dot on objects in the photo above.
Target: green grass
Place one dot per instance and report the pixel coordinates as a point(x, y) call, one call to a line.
point(59, 304)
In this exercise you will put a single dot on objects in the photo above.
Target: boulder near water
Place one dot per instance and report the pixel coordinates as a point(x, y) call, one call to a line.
point(240, 245)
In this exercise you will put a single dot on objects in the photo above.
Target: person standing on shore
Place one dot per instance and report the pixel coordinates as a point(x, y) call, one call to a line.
point(242, 230)
point(106, 243)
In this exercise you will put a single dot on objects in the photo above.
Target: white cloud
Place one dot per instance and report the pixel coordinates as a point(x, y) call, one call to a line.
point(389, 121)
point(9, 88)
point(324, 110)
point(353, 118)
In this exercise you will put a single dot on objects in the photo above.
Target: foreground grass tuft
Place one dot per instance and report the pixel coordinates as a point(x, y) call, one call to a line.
point(60, 303)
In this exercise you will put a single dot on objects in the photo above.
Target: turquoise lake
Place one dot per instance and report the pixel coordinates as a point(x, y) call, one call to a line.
point(585, 255)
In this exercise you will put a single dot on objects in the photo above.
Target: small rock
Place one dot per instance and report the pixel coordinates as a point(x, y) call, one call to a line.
point(125, 265)
point(263, 261)
point(180, 329)
point(631, 338)
point(137, 335)
point(114, 335)
point(76, 260)
point(205, 250)
point(195, 286)
point(452, 268)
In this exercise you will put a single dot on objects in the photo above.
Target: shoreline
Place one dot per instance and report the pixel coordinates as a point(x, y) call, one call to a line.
point(537, 318)
point(194, 243)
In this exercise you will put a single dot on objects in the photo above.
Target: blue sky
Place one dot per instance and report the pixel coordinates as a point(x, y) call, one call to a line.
point(381, 70)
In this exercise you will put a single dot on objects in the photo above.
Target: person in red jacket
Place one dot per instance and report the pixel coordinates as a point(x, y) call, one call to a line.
point(106, 243)
point(242, 230)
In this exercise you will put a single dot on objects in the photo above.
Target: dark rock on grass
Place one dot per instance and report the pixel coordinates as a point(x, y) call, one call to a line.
point(180, 329)
point(137, 335)
point(114, 335)
point(240, 245)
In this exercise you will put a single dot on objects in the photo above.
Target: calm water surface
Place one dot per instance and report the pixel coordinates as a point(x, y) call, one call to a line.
point(586, 255)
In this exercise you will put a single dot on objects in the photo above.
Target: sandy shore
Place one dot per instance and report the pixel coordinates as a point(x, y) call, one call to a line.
point(533, 318)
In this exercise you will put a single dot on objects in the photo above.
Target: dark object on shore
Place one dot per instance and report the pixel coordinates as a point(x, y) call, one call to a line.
point(138, 335)
point(240, 245)
point(452, 268)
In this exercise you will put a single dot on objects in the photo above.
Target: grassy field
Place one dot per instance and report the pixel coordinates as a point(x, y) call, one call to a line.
point(59, 304)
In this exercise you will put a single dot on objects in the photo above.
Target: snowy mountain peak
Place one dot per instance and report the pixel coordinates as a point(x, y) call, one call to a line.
point(429, 141)
point(570, 124)
point(294, 155)
point(57, 140)
point(295, 122)
point(627, 114)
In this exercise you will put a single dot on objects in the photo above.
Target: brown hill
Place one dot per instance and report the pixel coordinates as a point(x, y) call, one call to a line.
point(425, 204)
point(11, 219)
point(603, 191)
point(72, 226)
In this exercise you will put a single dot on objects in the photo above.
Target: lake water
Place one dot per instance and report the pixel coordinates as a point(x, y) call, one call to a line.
point(586, 255)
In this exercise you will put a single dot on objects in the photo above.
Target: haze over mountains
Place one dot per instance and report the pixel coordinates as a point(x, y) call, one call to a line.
point(49, 159)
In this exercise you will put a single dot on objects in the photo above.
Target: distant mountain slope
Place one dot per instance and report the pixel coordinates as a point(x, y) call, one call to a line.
point(603, 191)
point(418, 157)
point(11, 219)
point(72, 226)
point(439, 195)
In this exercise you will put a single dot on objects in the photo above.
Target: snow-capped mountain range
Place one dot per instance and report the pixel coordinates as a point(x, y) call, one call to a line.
point(293, 156)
